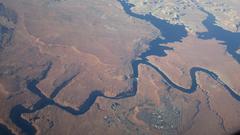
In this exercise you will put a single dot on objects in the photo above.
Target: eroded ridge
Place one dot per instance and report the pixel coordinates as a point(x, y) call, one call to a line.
point(8, 19)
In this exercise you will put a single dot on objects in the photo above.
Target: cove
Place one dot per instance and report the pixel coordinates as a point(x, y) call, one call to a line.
point(230, 39)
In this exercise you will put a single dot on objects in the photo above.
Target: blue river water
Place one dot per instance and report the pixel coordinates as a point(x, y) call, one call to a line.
point(230, 39)
point(170, 32)
point(4, 130)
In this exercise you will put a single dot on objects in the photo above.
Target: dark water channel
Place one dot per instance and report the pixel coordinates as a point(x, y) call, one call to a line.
point(169, 32)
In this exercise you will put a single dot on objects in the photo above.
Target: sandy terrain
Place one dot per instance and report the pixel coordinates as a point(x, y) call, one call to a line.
point(187, 12)
point(72, 48)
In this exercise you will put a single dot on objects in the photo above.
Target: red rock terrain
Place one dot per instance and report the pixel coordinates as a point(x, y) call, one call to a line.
point(69, 49)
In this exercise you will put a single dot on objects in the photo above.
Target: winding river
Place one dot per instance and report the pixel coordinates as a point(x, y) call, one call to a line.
point(170, 32)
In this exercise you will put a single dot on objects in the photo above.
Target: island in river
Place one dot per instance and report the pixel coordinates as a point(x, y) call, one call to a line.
point(107, 67)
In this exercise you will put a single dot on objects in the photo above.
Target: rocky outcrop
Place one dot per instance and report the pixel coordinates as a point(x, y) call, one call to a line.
point(8, 19)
